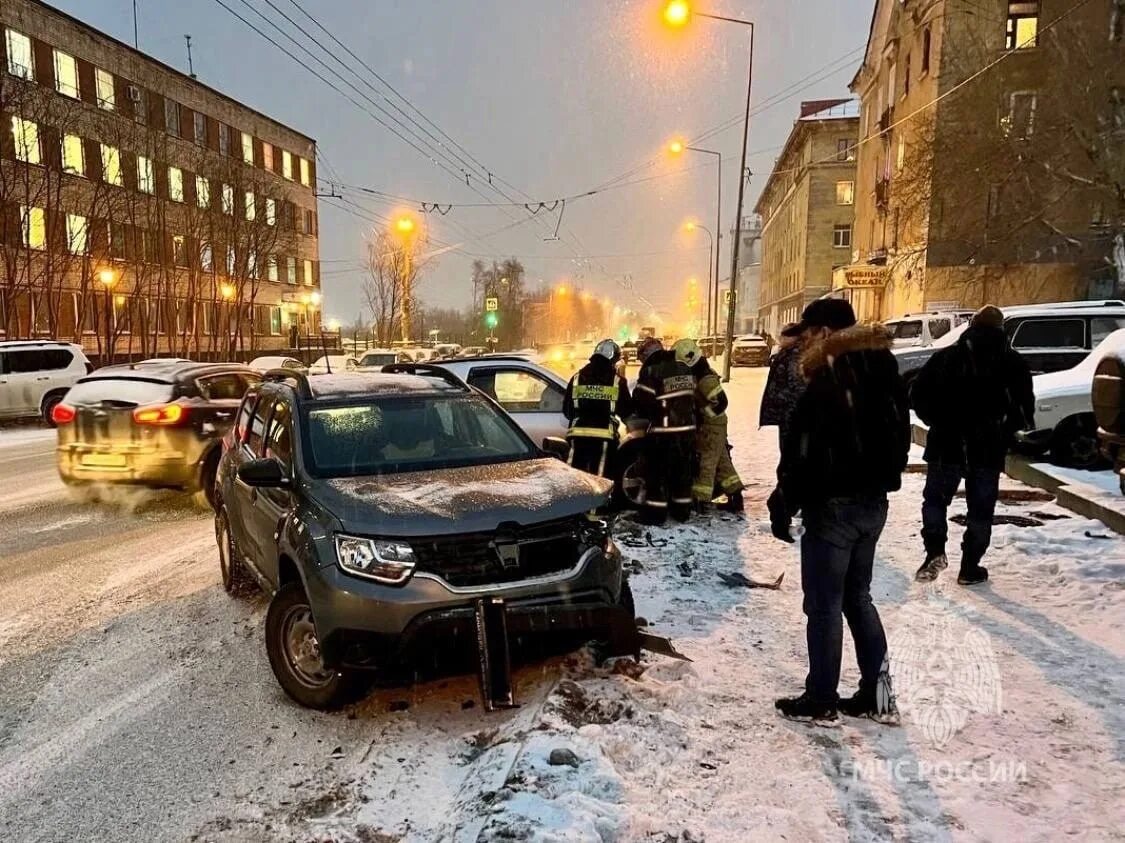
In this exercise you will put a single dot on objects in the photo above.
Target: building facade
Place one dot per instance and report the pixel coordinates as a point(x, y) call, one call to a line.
point(807, 210)
point(992, 139)
point(142, 212)
point(749, 276)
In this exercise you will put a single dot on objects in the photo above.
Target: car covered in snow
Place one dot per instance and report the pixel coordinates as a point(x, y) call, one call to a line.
point(267, 362)
point(1066, 426)
point(920, 330)
point(382, 511)
point(332, 363)
point(750, 350)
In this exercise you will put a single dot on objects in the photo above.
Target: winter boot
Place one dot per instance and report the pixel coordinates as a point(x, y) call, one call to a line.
point(702, 507)
point(734, 503)
point(935, 563)
point(807, 710)
point(867, 703)
point(972, 575)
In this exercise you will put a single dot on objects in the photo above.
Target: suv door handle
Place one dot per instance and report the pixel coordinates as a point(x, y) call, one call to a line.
point(43, 378)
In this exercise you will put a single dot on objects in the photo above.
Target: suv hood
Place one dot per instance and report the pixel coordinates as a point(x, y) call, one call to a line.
point(461, 500)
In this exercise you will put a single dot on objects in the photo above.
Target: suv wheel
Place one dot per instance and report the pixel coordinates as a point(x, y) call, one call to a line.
point(233, 571)
point(295, 656)
point(49, 404)
point(206, 497)
point(1075, 444)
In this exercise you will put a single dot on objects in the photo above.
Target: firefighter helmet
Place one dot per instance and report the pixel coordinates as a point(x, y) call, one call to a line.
point(608, 349)
point(647, 346)
point(688, 352)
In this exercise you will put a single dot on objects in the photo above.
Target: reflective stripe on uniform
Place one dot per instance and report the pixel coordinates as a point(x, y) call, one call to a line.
point(702, 491)
point(656, 504)
point(686, 501)
point(591, 432)
point(679, 393)
point(732, 483)
point(647, 389)
point(711, 414)
point(684, 429)
point(595, 392)
point(715, 393)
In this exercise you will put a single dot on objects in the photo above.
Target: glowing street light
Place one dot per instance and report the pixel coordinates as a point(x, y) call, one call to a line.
point(315, 299)
point(227, 291)
point(676, 147)
point(562, 290)
point(405, 225)
point(677, 12)
point(107, 277)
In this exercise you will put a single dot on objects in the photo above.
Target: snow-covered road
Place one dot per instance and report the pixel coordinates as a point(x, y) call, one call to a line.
point(136, 702)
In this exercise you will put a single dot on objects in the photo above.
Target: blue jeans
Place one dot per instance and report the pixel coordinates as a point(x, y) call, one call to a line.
point(982, 488)
point(837, 558)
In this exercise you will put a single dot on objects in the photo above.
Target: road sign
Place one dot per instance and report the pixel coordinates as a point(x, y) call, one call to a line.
point(727, 296)
point(492, 304)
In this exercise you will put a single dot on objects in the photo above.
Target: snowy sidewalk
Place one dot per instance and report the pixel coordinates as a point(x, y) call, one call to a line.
point(1013, 694)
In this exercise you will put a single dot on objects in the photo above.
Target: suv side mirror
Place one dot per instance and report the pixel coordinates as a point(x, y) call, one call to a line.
point(556, 447)
point(265, 473)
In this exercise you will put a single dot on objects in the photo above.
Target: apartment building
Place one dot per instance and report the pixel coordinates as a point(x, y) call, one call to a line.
point(992, 148)
point(807, 209)
point(141, 211)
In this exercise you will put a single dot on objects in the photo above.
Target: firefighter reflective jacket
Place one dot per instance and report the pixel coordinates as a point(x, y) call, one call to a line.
point(710, 399)
point(594, 397)
point(665, 394)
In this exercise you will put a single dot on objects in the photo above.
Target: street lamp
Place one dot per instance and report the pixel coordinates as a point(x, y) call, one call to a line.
point(405, 227)
point(678, 13)
point(108, 278)
point(712, 302)
point(711, 255)
point(226, 291)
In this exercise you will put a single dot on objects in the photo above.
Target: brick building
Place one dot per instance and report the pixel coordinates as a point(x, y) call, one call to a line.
point(807, 210)
point(992, 154)
point(141, 211)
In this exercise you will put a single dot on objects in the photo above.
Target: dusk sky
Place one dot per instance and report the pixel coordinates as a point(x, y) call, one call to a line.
point(555, 98)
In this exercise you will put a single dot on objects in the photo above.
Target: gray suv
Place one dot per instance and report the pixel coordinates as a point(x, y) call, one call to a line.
point(380, 510)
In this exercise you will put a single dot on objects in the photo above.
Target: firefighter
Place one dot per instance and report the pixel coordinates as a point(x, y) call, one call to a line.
point(714, 471)
point(596, 398)
point(665, 396)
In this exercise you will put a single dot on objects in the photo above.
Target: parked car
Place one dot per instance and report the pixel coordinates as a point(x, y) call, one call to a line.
point(332, 363)
point(375, 359)
point(446, 349)
point(713, 346)
point(152, 425)
point(35, 375)
point(530, 393)
point(1051, 337)
point(1108, 400)
point(472, 351)
point(750, 350)
point(1065, 423)
point(377, 510)
point(264, 364)
point(920, 330)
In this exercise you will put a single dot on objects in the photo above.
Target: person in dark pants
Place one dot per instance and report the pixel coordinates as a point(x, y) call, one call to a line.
point(665, 396)
point(974, 396)
point(596, 398)
point(845, 449)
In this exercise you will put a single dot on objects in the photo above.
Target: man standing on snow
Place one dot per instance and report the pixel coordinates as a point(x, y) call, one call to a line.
point(845, 449)
point(974, 396)
point(665, 396)
point(714, 470)
point(596, 397)
point(784, 384)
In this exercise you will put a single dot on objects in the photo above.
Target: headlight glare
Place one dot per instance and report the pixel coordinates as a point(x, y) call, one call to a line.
point(389, 562)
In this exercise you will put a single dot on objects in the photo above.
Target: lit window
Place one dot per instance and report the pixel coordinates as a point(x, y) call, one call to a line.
point(33, 225)
point(179, 250)
point(26, 136)
point(20, 61)
point(250, 209)
point(73, 155)
point(172, 117)
point(76, 234)
point(146, 178)
point(308, 273)
point(271, 268)
point(111, 166)
point(199, 124)
point(247, 148)
point(1023, 25)
point(231, 260)
point(267, 156)
point(842, 236)
point(202, 192)
point(175, 184)
point(291, 270)
point(845, 193)
point(103, 84)
point(66, 74)
point(304, 172)
point(271, 212)
point(287, 164)
point(228, 199)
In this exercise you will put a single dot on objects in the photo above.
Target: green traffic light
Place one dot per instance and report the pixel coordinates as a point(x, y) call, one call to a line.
point(491, 320)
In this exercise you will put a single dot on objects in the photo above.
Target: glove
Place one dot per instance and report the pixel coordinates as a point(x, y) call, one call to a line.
point(780, 519)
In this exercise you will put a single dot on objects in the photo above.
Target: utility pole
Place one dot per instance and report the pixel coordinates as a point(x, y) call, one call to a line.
point(191, 68)
point(136, 39)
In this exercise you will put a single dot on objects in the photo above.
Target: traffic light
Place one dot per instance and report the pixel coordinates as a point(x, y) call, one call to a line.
point(491, 320)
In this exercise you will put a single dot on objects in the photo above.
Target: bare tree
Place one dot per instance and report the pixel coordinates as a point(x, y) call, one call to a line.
point(394, 266)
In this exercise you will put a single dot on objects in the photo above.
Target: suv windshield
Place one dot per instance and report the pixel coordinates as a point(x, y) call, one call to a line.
point(395, 434)
point(906, 331)
point(378, 359)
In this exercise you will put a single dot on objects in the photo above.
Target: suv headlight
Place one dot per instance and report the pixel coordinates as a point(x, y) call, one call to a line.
point(390, 562)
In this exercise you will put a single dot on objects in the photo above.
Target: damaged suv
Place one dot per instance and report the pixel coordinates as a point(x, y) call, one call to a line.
point(382, 511)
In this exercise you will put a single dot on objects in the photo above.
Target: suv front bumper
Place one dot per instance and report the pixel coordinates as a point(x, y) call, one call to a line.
point(363, 624)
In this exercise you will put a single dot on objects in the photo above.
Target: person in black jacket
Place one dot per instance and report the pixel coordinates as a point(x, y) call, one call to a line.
point(974, 396)
point(845, 449)
point(784, 384)
point(597, 397)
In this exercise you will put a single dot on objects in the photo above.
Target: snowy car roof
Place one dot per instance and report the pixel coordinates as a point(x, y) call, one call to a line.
point(351, 384)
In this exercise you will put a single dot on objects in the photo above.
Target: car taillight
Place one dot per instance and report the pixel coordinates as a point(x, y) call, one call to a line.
point(62, 414)
point(160, 414)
